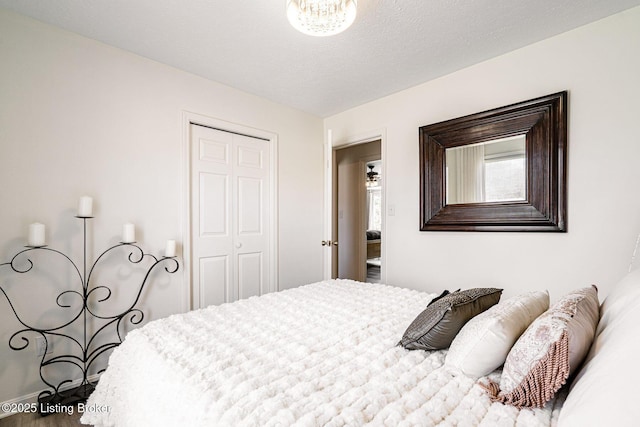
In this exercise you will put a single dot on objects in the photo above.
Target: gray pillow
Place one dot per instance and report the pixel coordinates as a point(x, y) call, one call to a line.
point(437, 326)
point(442, 295)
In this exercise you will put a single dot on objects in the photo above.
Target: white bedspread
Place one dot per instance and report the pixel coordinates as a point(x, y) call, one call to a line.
point(322, 354)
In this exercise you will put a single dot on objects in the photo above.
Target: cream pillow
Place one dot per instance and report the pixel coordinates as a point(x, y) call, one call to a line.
point(549, 351)
point(484, 342)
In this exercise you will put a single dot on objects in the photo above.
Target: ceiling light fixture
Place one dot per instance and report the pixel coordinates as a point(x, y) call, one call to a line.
point(373, 179)
point(321, 17)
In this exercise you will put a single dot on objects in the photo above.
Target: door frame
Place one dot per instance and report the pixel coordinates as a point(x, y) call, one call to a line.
point(331, 146)
point(191, 294)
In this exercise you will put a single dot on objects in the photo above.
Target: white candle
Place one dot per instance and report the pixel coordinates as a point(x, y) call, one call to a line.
point(85, 207)
point(128, 233)
point(170, 249)
point(36, 234)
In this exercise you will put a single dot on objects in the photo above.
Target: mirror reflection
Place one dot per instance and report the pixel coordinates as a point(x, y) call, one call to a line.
point(492, 171)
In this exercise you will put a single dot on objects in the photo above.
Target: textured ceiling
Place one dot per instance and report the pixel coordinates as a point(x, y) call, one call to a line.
point(249, 45)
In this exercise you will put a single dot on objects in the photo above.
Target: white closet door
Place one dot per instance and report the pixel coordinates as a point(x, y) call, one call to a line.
point(230, 216)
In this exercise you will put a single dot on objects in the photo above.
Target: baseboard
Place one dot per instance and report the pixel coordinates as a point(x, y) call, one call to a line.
point(33, 397)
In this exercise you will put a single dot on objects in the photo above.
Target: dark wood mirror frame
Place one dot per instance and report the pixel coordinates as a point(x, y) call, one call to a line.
point(543, 121)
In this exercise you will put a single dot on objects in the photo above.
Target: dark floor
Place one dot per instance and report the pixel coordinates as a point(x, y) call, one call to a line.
point(373, 273)
point(61, 419)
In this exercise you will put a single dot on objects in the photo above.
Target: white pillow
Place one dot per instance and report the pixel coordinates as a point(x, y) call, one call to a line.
point(484, 342)
point(605, 391)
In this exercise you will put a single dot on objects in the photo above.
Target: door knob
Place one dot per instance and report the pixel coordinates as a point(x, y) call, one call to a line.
point(238, 245)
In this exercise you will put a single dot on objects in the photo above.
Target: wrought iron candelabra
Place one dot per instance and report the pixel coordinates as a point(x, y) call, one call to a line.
point(86, 347)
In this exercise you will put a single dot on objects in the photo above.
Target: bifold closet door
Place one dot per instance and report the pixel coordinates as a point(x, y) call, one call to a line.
point(229, 216)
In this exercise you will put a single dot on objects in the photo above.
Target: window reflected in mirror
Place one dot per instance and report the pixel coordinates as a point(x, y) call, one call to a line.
point(491, 171)
point(374, 208)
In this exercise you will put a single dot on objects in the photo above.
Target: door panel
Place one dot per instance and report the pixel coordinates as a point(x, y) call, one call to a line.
point(214, 270)
point(250, 274)
point(214, 204)
point(250, 158)
point(250, 211)
point(213, 151)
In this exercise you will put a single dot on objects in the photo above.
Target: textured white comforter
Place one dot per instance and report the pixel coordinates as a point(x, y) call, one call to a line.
point(321, 354)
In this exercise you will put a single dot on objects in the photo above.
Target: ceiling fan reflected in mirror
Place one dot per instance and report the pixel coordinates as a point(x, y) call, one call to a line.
point(373, 177)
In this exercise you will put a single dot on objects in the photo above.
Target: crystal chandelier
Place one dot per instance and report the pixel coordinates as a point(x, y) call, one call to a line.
point(321, 17)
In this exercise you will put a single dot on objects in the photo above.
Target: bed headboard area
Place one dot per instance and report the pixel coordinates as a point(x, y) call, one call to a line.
point(604, 392)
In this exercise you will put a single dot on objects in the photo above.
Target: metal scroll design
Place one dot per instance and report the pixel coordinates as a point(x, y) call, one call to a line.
point(86, 349)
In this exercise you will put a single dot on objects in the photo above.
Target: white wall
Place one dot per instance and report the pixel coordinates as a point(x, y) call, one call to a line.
point(78, 117)
point(599, 65)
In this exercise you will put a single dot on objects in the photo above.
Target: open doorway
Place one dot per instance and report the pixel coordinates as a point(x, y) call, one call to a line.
point(373, 220)
point(357, 214)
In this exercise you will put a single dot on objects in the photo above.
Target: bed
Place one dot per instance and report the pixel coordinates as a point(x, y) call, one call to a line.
point(324, 354)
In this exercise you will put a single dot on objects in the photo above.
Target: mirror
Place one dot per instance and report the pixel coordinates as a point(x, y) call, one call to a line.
point(492, 171)
point(499, 170)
